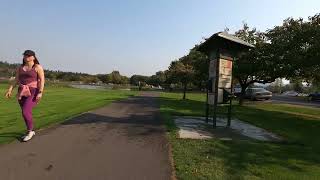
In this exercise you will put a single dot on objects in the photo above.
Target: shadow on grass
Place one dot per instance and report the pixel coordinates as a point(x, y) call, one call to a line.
point(240, 157)
point(298, 155)
point(296, 128)
point(182, 107)
point(189, 107)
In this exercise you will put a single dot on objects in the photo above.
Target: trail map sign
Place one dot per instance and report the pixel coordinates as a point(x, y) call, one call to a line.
point(221, 49)
point(224, 75)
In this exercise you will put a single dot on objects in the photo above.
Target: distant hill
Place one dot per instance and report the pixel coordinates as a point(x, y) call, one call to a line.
point(8, 70)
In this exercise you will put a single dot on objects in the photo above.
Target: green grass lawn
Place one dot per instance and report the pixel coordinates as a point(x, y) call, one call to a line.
point(57, 104)
point(297, 158)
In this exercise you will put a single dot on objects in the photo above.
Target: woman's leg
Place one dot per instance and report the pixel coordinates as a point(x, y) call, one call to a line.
point(27, 103)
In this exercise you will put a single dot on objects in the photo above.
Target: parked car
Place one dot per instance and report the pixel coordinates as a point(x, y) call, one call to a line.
point(237, 91)
point(290, 93)
point(303, 95)
point(258, 93)
point(315, 96)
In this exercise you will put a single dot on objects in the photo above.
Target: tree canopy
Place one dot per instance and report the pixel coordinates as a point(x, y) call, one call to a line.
point(290, 50)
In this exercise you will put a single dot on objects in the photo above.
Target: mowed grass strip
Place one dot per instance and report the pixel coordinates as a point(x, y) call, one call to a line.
point(57, 104)
point(297, 158)
point(306, 111)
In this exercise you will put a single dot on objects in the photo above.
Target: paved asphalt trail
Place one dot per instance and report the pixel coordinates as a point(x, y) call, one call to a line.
point(124, 140)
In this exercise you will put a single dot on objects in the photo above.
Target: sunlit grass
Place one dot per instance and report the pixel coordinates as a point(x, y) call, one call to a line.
point(297, 158)
point(58, 103)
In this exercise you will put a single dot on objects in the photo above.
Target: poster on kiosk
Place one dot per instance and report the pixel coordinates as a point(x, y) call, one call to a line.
point(222, 73)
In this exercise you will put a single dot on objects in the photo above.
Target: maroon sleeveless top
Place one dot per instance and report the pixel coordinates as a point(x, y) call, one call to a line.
point(26, 77)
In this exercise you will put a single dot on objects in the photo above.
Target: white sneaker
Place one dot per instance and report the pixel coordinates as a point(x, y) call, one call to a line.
point(29, 136)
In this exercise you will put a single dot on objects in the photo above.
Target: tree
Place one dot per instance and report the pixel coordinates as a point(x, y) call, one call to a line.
point(297, 85)
point(115, 77)
point(257, 65)
point(316, 85)
point(296, 45)
point(124, 80)
point(135, 79)
point(103, 78)
point(289, 51)
point(181, 73)
point(200, 64)
point(278, 85)
point(158, 79)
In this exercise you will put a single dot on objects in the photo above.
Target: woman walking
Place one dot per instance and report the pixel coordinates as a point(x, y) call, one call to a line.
point(30, 82)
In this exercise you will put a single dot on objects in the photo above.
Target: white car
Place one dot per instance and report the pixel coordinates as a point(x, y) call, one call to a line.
point(290, 93)
point(258, 93)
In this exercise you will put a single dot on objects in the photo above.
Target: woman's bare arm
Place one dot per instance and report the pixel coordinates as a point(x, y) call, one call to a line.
point(40, 72)
point(13, 84)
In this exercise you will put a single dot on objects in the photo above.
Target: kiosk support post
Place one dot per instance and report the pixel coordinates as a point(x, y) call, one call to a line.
point(230, 105)
point(216, 89)
point(229, 113)
point(207, 104)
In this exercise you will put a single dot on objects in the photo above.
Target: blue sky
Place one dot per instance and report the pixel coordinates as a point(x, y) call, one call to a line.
point(134, 37)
